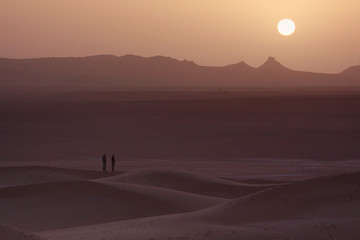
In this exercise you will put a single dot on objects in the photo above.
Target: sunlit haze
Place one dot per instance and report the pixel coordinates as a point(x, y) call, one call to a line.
point(217, 32)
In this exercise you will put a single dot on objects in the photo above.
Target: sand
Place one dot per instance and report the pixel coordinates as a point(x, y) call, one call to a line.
point(10, 233)
point(180, 126)
point(17, 176)
point(63, 204)
point(187, 182)
point(171, 204)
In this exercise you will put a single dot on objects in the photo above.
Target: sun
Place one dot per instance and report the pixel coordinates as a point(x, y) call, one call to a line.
point(286, 27)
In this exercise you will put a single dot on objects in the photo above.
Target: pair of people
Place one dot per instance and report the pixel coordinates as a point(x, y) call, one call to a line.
point(112, 162)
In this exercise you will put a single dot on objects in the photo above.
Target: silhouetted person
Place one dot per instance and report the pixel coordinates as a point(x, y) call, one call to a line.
point(104, 162)
point(113, 162)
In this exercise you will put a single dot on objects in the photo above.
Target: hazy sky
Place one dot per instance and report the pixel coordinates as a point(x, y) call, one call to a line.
point(209, 32)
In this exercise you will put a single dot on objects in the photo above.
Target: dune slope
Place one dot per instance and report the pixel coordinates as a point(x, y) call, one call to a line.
point(328, 197)
point(321, 208)
point(188, 182)
point(77, 203)
point(9, 233)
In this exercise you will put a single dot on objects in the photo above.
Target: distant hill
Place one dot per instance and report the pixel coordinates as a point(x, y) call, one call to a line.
point(353, 72)
point(108, 72)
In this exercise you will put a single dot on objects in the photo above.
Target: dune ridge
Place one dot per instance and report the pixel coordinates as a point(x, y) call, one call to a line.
point(169, 204)
point(319, 208)
point(188, 182)
point(292, 201)
point(75, 203)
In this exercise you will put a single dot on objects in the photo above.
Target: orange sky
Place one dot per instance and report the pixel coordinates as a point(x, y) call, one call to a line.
point(209, 32)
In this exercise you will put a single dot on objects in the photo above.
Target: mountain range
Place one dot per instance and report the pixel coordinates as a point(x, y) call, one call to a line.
point(108, 72)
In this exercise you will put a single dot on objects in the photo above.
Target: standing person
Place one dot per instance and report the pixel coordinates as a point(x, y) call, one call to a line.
point(104, 162)
point(113, 162)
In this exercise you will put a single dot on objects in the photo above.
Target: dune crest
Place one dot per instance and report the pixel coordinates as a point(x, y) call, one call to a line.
point(188, 182)
point(319, 208)
point(54, 205)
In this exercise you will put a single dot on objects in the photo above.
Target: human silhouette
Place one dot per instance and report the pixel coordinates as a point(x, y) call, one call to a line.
point(113, 162)
point(104, 162)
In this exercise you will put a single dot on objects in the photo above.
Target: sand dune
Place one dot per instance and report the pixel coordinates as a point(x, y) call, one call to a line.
point(160, 229)
point(9, 233)
point(76, 203)
point(165, 204)
point(16, 176)
point(321, 208)
point(188, 182)
point(328, 197)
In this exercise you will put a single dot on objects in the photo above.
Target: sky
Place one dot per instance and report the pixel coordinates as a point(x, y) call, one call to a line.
point(209, 32)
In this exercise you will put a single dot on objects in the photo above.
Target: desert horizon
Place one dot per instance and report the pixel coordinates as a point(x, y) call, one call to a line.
point(179, 120)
